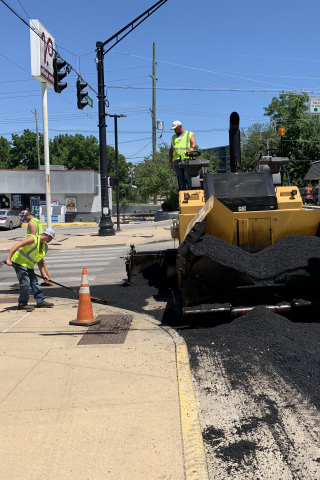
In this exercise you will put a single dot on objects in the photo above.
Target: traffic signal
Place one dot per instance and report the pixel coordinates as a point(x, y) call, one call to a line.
point(58, 75)
point(80, 94)
point(113, 181)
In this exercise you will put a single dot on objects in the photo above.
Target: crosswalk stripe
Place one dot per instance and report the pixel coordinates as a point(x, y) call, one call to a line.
point(93, 250)
point(82, 264)
point(68, 260)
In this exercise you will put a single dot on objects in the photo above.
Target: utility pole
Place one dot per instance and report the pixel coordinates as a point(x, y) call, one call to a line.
point(154, 112)
point(36, 115)
point(117, 164)
point(154, 87)
point(106, 225)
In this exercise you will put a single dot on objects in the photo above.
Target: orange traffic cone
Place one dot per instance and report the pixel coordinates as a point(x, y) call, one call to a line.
point(85, 313)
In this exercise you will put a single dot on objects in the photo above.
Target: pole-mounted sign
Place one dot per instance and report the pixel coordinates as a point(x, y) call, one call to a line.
point(314, 105)
point(42, 54)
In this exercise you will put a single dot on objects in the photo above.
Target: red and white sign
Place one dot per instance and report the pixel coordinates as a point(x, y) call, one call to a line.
point(41, 53)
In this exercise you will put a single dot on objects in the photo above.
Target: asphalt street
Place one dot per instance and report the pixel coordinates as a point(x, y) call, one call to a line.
point(257, 381)
point(106, 273)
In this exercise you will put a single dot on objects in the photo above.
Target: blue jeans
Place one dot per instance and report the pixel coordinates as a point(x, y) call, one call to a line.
point(26, 278)
point(183, 177)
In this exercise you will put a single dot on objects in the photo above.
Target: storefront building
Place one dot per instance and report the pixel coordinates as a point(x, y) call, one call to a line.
point(78, 191)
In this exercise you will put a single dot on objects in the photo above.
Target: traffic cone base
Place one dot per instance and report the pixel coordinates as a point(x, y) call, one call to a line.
point(84, 324)
point(85, 314)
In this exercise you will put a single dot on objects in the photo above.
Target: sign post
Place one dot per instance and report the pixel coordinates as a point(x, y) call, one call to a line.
point(42, 69)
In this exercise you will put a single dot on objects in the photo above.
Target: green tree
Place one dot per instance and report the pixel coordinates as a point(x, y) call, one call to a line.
point(76, 152)
point(208, 155)
point(154, 175)
point(24, 153)
point(302, 132)
point(5, 151)
point(256, 140)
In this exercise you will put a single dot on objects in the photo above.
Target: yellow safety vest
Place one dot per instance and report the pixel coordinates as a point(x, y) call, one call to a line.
point(181, 147)
point(38, 224)
point(29, 255)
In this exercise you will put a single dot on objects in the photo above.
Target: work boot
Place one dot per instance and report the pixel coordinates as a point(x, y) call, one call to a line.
point(45, 305)
point(45, 284)
point(28, 308)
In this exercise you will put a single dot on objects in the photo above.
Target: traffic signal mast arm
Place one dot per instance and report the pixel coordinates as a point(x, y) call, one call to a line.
point(141, 17)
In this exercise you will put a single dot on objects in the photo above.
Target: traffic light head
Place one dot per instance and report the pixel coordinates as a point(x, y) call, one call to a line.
point(113, 181)
point(81, 94)
point(58, 75)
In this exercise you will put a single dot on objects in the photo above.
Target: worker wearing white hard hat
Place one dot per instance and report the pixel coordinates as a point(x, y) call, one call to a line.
point(182, 142)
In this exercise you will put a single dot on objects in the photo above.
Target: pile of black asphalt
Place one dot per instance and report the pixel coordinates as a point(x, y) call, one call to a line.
point(260, 341)
point(290, 258)
point(272, 340)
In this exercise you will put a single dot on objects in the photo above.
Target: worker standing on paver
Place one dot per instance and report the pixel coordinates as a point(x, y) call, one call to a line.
point(182, 142)
point(23, 256)
point(35, 228)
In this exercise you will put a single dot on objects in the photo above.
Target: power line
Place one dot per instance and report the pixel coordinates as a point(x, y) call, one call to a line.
point(140, 150)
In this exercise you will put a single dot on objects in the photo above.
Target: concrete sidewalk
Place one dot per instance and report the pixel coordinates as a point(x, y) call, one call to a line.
point(93, 411)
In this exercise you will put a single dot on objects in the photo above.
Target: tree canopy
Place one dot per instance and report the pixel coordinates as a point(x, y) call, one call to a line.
point(301, 143)
point(256, 140)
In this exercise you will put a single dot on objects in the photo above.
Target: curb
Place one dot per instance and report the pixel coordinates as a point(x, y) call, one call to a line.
point(65, 224)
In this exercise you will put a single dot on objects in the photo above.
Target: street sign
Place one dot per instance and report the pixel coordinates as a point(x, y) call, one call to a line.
point(89, 100)
point(41, 53)
point(314, 105)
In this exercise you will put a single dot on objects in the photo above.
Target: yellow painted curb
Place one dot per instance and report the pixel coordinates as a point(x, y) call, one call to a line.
point(64, 224)
point(194, 452)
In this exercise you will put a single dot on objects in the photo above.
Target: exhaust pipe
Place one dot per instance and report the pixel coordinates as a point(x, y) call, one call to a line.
point(234, 142)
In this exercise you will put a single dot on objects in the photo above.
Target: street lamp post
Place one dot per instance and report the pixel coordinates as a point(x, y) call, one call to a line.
point(117, 163)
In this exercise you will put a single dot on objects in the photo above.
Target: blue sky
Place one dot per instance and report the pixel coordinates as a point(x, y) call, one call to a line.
point(210, 45)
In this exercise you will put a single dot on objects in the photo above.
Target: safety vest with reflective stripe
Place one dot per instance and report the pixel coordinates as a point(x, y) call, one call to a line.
point(181, 147)
point(29, 255)
point(38, 224)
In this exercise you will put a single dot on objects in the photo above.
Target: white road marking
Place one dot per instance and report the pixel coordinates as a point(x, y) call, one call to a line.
point(84, 263)
point(64, 260)
point(88, 251)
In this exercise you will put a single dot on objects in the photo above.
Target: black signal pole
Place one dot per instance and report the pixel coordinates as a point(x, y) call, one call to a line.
point(106, 225)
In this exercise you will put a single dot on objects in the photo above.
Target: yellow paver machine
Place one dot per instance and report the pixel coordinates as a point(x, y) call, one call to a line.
point(244, 240)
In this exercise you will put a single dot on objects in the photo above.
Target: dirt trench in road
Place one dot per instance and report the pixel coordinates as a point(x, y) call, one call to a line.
point(257, 382)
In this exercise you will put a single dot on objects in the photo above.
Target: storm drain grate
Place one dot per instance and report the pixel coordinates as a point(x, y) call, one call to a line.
point(112, 329)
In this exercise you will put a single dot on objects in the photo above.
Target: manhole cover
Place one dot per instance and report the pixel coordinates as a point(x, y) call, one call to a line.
point(112, 329)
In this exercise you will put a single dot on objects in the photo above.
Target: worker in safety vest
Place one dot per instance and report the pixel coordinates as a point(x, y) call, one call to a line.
point(23, 256)
point(182, 142)
point(35, 228)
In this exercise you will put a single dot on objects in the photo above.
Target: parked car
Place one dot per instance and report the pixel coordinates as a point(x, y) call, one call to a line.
point(307, 194)
point(10, 219)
